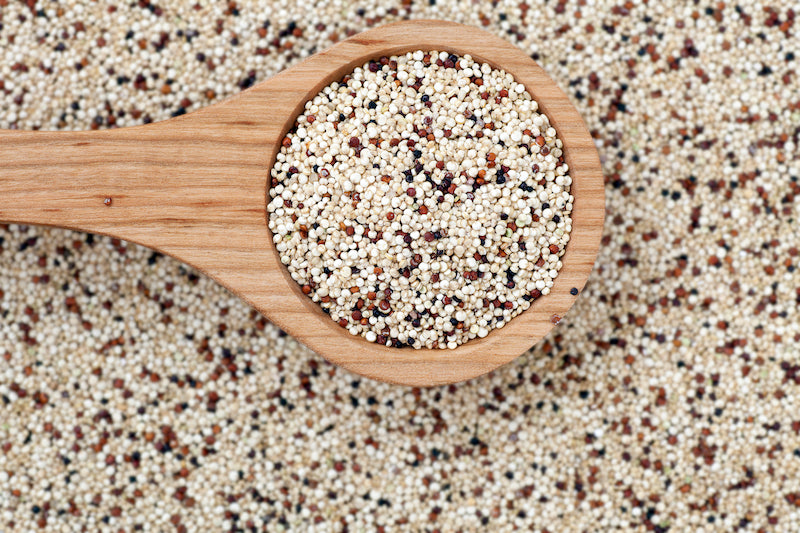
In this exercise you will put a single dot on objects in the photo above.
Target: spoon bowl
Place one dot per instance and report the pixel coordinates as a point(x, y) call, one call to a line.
point(195, 187)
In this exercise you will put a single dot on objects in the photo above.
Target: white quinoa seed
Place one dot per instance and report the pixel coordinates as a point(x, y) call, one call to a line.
point(422, 200)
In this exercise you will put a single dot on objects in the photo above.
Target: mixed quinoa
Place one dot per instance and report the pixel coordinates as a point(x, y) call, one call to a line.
point(423, 201)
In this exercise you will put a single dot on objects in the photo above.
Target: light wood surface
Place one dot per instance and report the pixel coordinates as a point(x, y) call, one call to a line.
point(195, 187)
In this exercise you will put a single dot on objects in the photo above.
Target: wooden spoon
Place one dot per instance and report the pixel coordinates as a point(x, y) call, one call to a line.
point(195, 187)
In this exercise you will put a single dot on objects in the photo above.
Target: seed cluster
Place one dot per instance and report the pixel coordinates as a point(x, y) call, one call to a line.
point(422, 201)
point(138, 395)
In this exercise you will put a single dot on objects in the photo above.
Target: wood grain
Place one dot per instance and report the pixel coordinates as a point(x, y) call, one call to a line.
point(195, 187)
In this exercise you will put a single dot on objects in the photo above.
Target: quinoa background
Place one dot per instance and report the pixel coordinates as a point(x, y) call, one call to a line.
point(137, 395)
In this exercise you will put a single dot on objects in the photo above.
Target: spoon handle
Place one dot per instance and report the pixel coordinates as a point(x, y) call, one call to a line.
point(77, 180)
point(193, 187)
point(158, 185)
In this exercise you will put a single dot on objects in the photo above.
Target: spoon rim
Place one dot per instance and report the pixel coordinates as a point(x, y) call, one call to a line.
point(470, 359)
